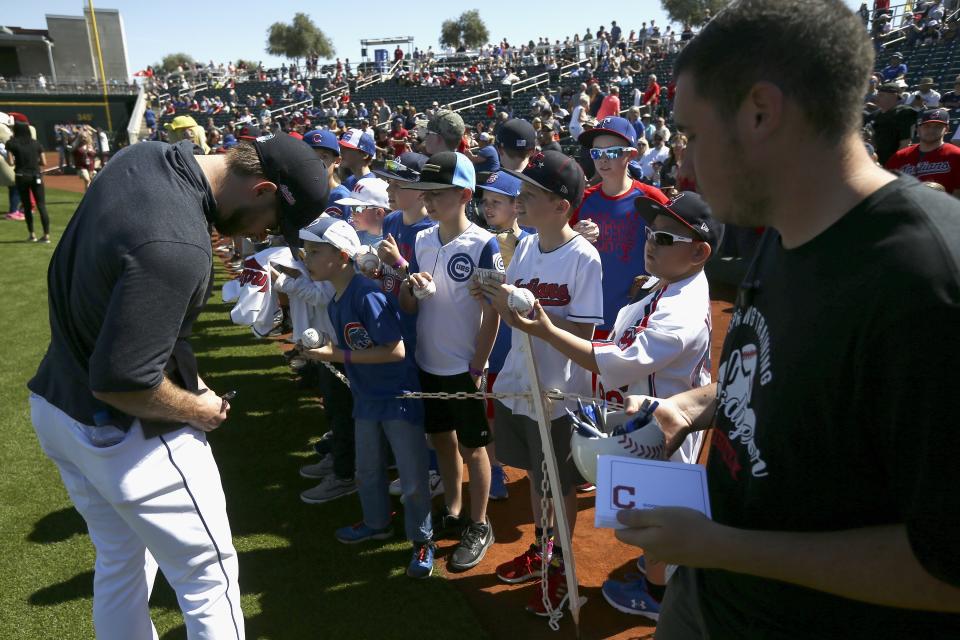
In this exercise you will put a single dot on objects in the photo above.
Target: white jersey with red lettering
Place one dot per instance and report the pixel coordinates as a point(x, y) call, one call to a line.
point(568, 282)
point(257, 306)
point(660, 346)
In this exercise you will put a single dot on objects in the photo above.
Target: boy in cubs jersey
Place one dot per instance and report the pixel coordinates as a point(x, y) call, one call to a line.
point(563, 270)
point(659, 346)
point(454, 341)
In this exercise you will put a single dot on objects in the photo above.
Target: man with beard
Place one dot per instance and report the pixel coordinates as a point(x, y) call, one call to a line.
point(833, 472)
point(118, 403)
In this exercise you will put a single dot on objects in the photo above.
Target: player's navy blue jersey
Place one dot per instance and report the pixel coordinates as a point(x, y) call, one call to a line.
point(364, 318)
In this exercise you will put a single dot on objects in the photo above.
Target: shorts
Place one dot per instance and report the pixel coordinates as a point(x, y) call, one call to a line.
point(519, 445)
point(85, 175)
point(466, 417)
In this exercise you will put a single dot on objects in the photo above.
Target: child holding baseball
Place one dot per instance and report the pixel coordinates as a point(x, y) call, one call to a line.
point(659, 346)
point(562, 269)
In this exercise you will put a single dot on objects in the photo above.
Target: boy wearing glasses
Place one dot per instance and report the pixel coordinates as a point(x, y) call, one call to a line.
point(659, 346)
point(455, 339)
point(561, 269)
point(609, 206)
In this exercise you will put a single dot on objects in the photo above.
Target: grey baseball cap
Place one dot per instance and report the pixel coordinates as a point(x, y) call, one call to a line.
point(448, 125)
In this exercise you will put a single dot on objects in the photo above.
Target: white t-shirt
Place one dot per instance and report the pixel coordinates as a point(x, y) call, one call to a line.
point(576, 127)
point(651, 156)
point(449, 320)
point(568, 283)
point(660, 346)
point(257, 305)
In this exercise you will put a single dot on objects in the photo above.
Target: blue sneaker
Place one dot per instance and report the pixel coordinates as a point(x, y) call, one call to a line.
point(631, 597)
point(642, 565)
point(498, 483)
point(421, 564)
point(360, 532)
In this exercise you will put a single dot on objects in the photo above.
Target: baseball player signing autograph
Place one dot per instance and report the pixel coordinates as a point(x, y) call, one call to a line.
point(117, 402)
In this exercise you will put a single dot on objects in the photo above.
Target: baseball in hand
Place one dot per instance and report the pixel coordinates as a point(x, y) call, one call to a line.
point(426, 290)
point(368, 262)
point(310, 338)
point(521, 300)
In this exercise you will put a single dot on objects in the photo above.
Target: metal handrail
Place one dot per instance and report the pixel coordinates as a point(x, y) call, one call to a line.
point(529, 83)
point(293, 106)
point(474, 101)
point(332, 93)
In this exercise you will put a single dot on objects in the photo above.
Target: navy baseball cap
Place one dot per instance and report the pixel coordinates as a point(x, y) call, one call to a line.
point(501, 182)
point(517, 134)
point(323, 139)
point(230, 141)
point(689, 209)
point(357, 139)
point(406, 168)
point(939, 116)
point(611, 126)
point(554, 172)
point(296, 170)
point(445, 170)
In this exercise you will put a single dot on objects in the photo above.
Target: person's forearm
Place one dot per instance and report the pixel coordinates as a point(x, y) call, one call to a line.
point(872, 564)
point(698, 406)
point(574, 347)
point(166, 402)
point(486, 336)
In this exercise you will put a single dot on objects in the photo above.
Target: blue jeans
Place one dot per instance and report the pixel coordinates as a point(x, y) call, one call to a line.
point(410, 451)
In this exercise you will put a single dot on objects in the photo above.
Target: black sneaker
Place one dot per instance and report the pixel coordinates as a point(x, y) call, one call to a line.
point(477, 538)
point(447, 526)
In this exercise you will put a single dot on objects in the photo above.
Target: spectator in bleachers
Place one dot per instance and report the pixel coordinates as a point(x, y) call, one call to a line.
point(547, 140)
point(896, 70)
point(611, 104)
point(445, 133)
point(932, 159)
point(648, 129)
point(485, 158)
point(892, 123)
point(651, 97)
point(951, 99)
point(926, 92)
point(579, 116)
point(596, 98)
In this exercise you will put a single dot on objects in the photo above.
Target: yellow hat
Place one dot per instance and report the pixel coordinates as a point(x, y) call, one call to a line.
point(181, 122)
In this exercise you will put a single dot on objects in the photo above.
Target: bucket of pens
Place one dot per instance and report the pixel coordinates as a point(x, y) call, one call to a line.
point(597, 432)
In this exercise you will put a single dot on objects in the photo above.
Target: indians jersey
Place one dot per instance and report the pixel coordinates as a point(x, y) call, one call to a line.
point(257, 306)
point(621, 241)
point(941, 166)
point(660, 346)
point(567, 282)
point(450, 318)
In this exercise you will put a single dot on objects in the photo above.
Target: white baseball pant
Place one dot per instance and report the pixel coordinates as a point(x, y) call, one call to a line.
point(149, 503)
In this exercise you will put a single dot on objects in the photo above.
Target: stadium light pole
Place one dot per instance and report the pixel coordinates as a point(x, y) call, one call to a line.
point(103, 77)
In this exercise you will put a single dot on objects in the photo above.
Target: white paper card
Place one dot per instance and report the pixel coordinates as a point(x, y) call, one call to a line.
point(635, 483)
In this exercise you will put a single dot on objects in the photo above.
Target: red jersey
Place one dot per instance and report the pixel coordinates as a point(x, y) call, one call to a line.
point(941, 165)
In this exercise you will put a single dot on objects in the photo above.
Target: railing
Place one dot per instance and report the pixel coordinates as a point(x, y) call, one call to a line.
point(568, 69)
point(529, 83)
point(473, 101)
point(335, 92)
point(65, 86)
point(376, 78)
point(293, 106)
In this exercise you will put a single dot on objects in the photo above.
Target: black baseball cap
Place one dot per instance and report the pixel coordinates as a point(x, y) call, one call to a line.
point(517, 134)
point(890, 87)
point(554, 172)
point(940, 116)
point(689, 209)
point(406, 168)
point(300, 176)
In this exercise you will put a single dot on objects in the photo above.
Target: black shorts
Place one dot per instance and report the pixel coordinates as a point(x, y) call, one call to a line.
point(519, 446)
point(467, 417)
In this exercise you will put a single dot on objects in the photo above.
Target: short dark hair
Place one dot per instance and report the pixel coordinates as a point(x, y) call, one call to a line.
point(243, 160)
point(816, 51)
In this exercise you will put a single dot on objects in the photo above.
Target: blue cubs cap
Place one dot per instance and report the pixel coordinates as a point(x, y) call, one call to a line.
point(501, 182)
point(323, 139)
point(405, 168)
point(444, 170)
point(356, 139)
point(611, 126)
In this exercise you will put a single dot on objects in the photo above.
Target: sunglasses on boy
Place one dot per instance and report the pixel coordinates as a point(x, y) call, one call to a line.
point(665, 238)
point(610, 153)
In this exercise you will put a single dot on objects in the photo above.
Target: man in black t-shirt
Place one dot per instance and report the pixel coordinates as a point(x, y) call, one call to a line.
point(833, 473)
point(892, 123)
point(118, 403)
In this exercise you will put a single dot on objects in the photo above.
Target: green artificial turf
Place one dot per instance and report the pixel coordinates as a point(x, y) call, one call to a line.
point(296, 580)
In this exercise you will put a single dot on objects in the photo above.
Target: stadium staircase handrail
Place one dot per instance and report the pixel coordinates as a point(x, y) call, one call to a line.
point(332, 93)
point(529, 83)
point(474, 101)
point(293, 106)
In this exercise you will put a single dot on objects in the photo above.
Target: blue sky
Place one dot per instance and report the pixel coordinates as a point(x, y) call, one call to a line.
point(204, 30)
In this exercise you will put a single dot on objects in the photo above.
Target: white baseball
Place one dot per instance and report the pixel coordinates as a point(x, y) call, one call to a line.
point(521, 300)
point(368, 262)
point(426, 290)
point(310, 338)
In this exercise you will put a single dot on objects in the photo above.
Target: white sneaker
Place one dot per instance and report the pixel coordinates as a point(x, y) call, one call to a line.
point(330, 488)
point(318, 470)
point(435, 482)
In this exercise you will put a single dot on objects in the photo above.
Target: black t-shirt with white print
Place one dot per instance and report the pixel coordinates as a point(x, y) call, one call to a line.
point(837, 410)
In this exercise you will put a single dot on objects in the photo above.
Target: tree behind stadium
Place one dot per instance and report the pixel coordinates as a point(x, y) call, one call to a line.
point(468, 30)
point(692, 12)
point(298, 39)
